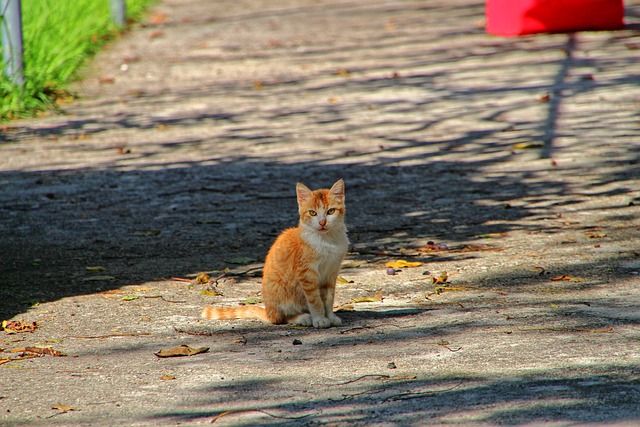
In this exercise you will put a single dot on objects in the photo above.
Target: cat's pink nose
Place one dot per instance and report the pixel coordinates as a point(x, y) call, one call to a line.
point(323, 222)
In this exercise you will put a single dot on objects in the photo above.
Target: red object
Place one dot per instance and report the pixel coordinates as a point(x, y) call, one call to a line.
point(520, 17)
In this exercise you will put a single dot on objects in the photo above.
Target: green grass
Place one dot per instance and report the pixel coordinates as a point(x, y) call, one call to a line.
point(58, 37)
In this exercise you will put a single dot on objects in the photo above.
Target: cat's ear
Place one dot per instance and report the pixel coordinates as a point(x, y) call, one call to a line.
point(303, 193)
point(337, 191)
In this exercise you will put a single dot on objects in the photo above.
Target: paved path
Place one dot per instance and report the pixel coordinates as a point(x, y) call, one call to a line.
point(517, 157)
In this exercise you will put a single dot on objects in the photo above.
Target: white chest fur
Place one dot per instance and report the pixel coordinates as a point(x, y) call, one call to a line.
point(331, 249)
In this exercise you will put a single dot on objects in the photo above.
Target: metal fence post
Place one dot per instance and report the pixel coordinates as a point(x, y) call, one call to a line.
point(12, 50)
point(119, 12)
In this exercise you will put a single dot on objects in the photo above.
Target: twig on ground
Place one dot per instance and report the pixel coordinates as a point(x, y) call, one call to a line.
point(561, 329)
point(239, 411)
point(96, 337)
point(416, 395)
point(346, 331)
point(350, 396)
point(183, 279)
point(194, 332)
point(376, 376)
point(164, 299)
point(243, 272)
point(446, 345)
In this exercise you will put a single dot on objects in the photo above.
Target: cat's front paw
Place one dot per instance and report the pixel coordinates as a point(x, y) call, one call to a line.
point(335, 320)
point(303, 320)
point(321, 322)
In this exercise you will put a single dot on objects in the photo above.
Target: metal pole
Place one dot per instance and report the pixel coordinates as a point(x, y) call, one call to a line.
point(12, 49)
point(119, 12)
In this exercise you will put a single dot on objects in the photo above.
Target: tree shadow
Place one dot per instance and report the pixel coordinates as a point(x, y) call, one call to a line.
point(554, 396)
point(143, 225)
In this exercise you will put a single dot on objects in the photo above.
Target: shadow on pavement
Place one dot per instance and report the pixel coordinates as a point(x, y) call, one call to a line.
point(562, 395)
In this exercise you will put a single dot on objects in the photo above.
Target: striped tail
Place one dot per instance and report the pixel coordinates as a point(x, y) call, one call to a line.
point(244, 312)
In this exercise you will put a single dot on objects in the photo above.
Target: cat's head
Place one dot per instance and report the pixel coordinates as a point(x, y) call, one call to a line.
point(321, 210)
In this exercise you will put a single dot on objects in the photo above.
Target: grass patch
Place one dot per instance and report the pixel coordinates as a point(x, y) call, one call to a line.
point(58, 37)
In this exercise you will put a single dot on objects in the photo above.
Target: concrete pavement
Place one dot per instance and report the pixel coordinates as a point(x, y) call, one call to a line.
point(517, 157)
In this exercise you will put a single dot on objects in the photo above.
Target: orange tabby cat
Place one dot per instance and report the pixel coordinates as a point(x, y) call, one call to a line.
point(299, 279)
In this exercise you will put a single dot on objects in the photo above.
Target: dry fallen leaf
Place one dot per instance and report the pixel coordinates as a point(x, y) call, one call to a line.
point(432, 246)
point(168, 377)
point(138, 93)
point(351, 264)
point(105, 80)
point(402, 264)
point(343, 73)
point(131, 58)
point(377, 297)
point(210, 293)
point(596, 235)
point(545, 98)
point(156, 34)
point(80, 136)
point(345, 307)
point(183, 350)
point(442, 279)
point(203, 278)
point(45, 351)
point(112, 293)
point(17, 326)
point(342, 281)
point(440, 289)
point(158, 18)
point(567, 278)
point(36, 352)
point(64, 408)
point(527, 145)
point(491, 235)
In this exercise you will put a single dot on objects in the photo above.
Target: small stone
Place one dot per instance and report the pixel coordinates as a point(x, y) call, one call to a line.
point(297, 342)
point(391, 365)
point(391, 271)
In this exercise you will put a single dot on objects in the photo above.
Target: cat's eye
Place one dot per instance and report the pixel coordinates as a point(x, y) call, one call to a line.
point(313, 213)
point(331, 211)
